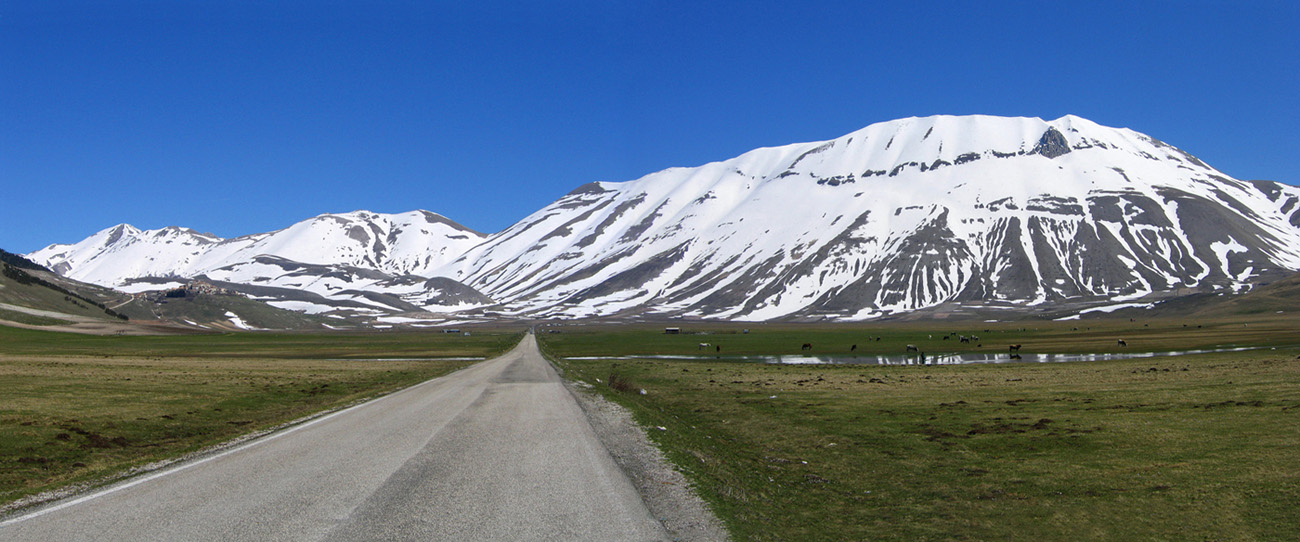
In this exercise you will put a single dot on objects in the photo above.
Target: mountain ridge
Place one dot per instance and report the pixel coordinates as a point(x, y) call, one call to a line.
point(901, 175)
point(894, 217)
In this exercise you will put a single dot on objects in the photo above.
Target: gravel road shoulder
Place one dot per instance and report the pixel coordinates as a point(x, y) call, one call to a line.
point(666, 491)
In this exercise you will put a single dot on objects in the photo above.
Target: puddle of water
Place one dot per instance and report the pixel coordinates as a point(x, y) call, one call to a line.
point(405, 359)
point(935, 359)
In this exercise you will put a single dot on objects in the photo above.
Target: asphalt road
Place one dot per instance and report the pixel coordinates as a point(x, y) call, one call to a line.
point(497, 451)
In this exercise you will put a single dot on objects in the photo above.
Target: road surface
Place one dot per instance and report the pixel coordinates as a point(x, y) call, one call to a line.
point(497, 451)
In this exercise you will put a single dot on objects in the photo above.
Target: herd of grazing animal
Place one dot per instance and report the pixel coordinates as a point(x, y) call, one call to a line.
point(1013, 350)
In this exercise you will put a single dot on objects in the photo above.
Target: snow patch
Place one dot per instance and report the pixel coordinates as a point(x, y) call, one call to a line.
point(239, 323)
point(1223, 250)
point(138, 287)
point(1117, 306)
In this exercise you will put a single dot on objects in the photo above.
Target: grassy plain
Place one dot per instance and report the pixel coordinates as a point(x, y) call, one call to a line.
point(78, 408)
point(1201, 447)
point(1081, 336)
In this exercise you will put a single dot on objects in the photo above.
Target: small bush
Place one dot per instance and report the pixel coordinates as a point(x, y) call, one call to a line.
point(621, 383)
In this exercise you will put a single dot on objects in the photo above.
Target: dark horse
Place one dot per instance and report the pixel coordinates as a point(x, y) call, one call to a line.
point(806, 346)
point(1015, 348)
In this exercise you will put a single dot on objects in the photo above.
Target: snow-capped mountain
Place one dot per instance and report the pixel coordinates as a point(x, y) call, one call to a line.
point(359, 260)
point(901, 215)
point(897, 216)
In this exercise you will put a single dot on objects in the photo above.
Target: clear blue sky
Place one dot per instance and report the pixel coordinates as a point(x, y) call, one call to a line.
point(240, 117)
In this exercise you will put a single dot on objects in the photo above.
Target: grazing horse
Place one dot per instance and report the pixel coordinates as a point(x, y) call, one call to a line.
point(806, 346)
point(703, 346)
point(1122, 342)
point(1015, 348)
point(853, 348)
point(912, 348)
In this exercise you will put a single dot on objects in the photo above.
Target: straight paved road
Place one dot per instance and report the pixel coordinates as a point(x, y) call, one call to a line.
point(498, 451)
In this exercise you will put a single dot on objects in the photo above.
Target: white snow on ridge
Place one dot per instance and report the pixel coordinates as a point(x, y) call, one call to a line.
point(406, 243)
point(961, 163)
point(896, 216)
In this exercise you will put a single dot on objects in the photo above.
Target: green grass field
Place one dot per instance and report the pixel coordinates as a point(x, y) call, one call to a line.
point(79, 409)
point(1086, 336)
point(1201, 447)
point(1192, 447)
point(289, 345)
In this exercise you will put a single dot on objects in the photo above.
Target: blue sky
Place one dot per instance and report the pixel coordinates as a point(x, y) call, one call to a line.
point(241, 117)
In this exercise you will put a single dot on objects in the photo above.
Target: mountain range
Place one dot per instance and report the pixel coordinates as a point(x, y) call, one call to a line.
point(938, 215)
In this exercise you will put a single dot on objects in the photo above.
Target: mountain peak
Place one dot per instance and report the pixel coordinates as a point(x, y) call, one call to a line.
point(896, 216)
point(409, 243)
point(945, 213)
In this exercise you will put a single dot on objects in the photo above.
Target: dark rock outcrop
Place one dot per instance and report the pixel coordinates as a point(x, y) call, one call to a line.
point(1052, 144)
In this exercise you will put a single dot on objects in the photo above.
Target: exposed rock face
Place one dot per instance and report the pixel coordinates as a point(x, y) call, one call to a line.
point(1052, 144)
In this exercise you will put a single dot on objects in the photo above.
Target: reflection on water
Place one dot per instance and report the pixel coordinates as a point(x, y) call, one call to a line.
point(405, 359)
point(935, 359)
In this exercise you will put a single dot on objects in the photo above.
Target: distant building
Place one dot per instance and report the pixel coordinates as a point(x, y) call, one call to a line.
point(197, 288)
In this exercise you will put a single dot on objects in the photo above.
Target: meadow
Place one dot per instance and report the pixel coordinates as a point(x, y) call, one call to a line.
point(1172, 448)
point(1175, 448)
point(1058, 337)
point(79, 409)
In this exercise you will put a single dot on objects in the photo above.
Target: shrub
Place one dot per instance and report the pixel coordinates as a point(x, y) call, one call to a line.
point(621, 383)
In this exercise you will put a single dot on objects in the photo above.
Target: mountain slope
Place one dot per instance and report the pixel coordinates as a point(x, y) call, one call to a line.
point(895, 217)
point(358, 261)
point(407, 243)
point(940, 213)
point(33, 295)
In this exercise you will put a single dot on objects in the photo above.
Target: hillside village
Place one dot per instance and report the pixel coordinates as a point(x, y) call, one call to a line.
point(191, 289)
